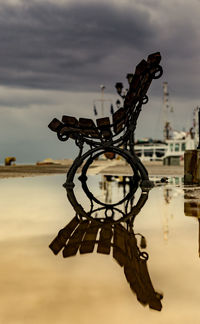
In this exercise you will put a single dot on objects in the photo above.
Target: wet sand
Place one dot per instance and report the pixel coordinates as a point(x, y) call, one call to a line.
point(98, 167)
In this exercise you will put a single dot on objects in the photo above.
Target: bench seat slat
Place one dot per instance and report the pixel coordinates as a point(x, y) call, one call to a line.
point(55, 125)
point(88, 243)
point(153, 297)
point(141, 67)
point(154, 58)
point(136, 285)
point(69, 131)
point(88, 127)
point(104, 244)
point(119, 118)
point(119, 248)
point(59, 242)
point(70, 121)
point(105, 127)
point(86, 122)
point(75, 240)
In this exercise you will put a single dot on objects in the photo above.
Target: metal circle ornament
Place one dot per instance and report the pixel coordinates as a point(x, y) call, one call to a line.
point(99, 210)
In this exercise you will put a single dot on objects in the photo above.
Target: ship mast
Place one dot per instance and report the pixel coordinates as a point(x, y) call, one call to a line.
point(166, 124)
point(101, 101)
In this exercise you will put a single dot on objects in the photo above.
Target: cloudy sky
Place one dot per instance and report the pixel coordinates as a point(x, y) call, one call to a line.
point(54, 55)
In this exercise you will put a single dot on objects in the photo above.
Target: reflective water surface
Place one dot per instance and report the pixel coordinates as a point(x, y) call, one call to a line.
point(39, 287)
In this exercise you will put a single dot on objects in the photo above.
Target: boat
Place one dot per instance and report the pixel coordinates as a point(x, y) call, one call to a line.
point(175, 143)
point(152, 150)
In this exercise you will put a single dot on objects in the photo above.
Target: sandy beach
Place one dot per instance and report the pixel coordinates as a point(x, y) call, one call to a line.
point(110, 167)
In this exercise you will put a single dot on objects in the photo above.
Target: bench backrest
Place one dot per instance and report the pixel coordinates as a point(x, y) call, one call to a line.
point(104, 129)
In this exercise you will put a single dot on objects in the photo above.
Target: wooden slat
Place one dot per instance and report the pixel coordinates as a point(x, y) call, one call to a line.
point(88, 127)
point(88, 243)
point(70, 121)
point(70, 131)
point(153, 299)
point(146, 87)
point(71, 126)
point(136, 91)
point(154, 58)
point(141, 67)
point(63, 235)
point(139, 85)
point(137, 275)
point(90, 133)
point(119, 248)
point(104, 244)
point(119, 118)
point(86, 122)
point(135, 83)
point(132, 270)
point(55, 124)
point(131, 246)
point(75, 240)
point(104, 126)
point(132, 253)
point(133, 279)
point(131, 100)
point(119, 115)
point(145, 83)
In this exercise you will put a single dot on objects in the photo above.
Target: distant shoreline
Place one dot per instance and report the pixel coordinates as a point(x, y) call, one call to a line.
point(107, 167)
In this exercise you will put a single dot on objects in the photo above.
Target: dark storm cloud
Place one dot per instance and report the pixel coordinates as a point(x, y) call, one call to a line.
point(45, 45)
point(79, 46)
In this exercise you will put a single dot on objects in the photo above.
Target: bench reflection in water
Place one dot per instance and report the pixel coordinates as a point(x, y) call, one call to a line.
point(116, 238)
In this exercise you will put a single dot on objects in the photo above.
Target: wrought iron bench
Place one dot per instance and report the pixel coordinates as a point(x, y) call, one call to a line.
point(113, 221)
point(116, 136)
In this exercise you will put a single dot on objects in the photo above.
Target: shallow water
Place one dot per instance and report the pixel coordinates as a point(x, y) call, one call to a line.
point(39, 287)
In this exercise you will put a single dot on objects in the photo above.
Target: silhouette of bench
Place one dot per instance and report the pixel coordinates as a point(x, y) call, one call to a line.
point(107, 137)
point(82, 235)
point(124, 119)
